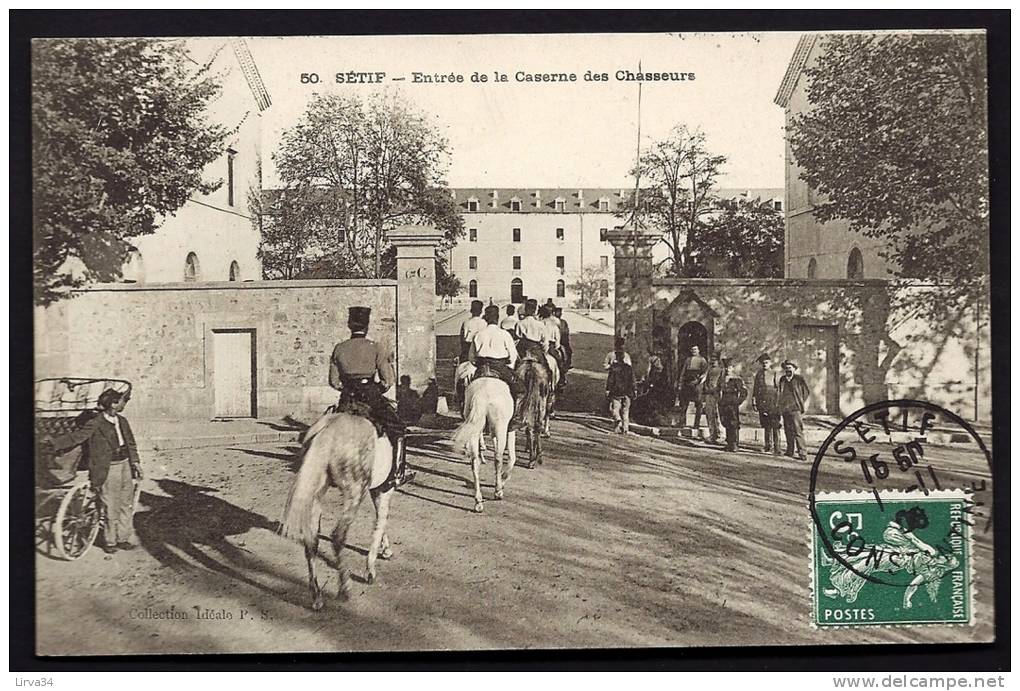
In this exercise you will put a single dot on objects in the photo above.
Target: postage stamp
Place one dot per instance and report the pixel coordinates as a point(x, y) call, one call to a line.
point(895, 504)
point(897, 559)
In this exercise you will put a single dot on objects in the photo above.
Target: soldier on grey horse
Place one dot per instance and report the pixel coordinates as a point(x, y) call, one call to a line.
point(354, 368)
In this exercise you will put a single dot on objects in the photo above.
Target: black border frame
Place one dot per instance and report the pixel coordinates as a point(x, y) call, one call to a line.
point(28, 24)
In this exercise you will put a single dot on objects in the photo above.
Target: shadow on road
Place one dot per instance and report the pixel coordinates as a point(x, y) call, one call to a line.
point(190, 527)
point(292, 455)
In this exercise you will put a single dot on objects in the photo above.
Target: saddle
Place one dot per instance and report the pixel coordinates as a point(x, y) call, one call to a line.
point(484, 371)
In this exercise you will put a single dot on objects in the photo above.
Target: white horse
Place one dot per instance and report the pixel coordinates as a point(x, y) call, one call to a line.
point(344, 451)
point(466, 370)
point(487, 402)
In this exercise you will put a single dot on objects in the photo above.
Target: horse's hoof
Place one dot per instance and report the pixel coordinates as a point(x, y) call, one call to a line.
point(386, 554)
point(479, 508)
point(343, 593)
point(498, 496)
point(317, 604)
point(370, 577)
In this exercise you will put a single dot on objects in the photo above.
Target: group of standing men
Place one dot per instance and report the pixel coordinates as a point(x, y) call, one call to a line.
point(778, 398)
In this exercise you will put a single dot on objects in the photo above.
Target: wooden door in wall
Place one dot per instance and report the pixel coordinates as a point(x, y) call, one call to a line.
point(234, 383)
point(815, 350)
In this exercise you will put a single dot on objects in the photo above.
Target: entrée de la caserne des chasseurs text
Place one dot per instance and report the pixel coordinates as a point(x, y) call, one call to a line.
point(496, 77)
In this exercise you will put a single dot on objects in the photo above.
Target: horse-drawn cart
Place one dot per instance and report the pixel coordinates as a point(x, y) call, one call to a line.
point(68, 512)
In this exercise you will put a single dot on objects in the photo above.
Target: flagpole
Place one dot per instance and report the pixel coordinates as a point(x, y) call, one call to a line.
point(637, 182)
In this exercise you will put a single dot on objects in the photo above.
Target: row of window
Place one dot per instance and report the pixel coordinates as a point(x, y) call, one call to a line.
point(561, 262)
point(193, 269)
point(516, 234)
point(517, 289)
point(559, 205)
point(854, 266)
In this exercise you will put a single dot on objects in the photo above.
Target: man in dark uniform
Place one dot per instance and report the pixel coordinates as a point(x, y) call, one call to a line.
point(352, 371)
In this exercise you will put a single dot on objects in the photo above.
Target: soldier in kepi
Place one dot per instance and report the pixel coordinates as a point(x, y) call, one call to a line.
point(354, 368)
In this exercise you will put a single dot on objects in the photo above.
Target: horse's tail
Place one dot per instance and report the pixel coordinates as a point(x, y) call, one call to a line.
point(301, 512)
point(474, 422)
point(536, 393)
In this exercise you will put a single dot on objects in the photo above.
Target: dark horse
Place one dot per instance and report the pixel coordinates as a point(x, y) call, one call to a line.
point(537, 389)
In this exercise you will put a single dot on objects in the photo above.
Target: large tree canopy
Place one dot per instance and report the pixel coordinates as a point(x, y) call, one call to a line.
point(745, 236)
point(678, 175)
point(895, 141)
point(119, 140)
point(355, 168)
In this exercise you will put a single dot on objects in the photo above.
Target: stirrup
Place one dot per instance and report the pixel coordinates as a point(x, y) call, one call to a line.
point(402, 475)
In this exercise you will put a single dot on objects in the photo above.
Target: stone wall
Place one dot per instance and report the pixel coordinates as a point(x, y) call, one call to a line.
point(855, 341)
point(159, 336)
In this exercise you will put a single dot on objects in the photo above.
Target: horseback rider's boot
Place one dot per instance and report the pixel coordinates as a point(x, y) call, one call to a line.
point(401, 474)
point(517, 393)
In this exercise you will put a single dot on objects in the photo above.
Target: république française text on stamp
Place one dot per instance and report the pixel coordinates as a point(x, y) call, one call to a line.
point(894, 510)
point(904, 560)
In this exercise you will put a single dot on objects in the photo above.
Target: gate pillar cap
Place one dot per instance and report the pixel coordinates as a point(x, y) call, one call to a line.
point(639, 237)
point(415, 236)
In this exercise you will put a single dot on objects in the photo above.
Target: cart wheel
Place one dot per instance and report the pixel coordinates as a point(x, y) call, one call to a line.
point(77, 522)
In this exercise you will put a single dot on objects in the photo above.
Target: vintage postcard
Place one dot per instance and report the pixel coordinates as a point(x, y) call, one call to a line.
point(511, 341)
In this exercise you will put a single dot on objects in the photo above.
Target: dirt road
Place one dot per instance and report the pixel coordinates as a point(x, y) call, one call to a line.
point(613, 542)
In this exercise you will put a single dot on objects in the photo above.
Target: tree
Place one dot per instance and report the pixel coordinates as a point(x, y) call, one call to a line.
point(358, 168)
point(592, 287)
point(895, 143)
point(448, 286)
point(120, 138)
point(677, 176)
point(746, 237)
point(295, 241)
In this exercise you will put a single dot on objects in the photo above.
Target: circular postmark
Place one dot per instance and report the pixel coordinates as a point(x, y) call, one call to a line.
point(900, 456)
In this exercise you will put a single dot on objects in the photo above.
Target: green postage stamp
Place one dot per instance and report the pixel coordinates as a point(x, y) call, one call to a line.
point(895, 558)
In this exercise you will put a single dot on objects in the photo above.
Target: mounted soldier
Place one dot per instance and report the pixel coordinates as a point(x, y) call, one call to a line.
point(361, 370)
point(493, 349)
point(552, 330)
point(471, 326)
point(532, 335)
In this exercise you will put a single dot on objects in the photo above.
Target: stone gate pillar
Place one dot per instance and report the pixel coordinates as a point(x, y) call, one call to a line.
point(416, 296)
point(633, 291)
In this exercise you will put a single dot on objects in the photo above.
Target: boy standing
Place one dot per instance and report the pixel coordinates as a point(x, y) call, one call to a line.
point(113, 466)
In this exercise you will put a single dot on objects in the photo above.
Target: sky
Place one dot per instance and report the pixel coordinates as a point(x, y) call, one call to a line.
point(553, 134)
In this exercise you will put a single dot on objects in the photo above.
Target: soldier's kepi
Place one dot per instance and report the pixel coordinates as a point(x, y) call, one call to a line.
point(354, 368)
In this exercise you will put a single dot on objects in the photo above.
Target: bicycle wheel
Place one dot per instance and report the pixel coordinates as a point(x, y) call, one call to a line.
point(77, 522)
